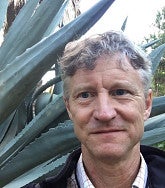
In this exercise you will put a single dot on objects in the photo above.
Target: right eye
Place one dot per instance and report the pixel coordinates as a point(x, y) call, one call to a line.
point(85, 95)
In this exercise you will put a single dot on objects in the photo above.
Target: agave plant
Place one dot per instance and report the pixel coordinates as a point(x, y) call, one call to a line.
point(35, 143)
point(35, 132)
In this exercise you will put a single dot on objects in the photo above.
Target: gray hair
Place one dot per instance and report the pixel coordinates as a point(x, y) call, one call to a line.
point(82, 54)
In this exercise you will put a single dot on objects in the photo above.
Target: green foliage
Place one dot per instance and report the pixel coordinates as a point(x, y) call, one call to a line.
point(159, 76)
point(34, 143)
point(159, 80)
point(160, 145)
point(159, 35)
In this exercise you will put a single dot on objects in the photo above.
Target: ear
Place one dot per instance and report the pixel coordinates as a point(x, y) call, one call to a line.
point(148, 105)
point(66, 101)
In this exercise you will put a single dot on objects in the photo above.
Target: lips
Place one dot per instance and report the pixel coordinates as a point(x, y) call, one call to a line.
point(107, 131)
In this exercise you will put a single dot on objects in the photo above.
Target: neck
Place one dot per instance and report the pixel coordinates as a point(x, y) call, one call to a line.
point(116, 173)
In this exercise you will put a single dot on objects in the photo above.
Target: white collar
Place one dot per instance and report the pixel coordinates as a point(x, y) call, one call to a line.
point(140, 180)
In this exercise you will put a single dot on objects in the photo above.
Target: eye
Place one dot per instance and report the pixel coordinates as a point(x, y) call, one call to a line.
point(85, 95)
point(120, 92)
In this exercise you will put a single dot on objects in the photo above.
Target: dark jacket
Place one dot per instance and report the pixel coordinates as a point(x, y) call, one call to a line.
point(154, 158)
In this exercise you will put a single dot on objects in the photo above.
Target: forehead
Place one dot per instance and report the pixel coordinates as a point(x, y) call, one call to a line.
point(108, 70)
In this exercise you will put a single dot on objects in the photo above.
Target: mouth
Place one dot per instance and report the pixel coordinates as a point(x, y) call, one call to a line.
point(108, 131)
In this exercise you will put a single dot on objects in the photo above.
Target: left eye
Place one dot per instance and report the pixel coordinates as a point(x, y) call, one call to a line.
point(119, 92)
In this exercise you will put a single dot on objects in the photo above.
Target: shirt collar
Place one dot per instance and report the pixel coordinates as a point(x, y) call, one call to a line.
point(140, 180)
point(82, 177)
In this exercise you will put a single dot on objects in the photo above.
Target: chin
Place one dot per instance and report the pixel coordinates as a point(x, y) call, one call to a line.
point(109, 152)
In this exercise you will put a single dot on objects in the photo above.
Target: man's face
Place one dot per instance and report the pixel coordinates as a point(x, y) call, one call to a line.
point(108, 108)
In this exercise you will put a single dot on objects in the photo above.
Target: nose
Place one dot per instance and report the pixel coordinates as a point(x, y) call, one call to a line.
point(104, 109)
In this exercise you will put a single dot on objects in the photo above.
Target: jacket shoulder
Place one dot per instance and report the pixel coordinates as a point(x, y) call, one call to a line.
point(155, 160)
point(60, 180)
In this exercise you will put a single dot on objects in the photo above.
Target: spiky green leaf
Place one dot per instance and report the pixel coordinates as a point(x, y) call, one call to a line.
point(3, 10)
point(153, 136)
point(34, 128)
point(26, 70)
point(156, 56)
point(47, 169)
point(61, 141)
point(56, 20)
point(23, 35)
point(145, 46)
point(155, 122)
point(124, 24)
point(158, 106)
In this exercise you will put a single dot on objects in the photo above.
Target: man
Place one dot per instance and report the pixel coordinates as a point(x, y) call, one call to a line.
point(108, 97)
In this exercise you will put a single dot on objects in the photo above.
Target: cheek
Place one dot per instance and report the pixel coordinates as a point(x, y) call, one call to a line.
point(135, 111)
point(137, 129)
point(81, 119)
point(80, 115)
point(135, 118)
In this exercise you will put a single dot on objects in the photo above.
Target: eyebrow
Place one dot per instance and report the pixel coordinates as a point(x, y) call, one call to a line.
point(124, 83)
point(83, 87)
